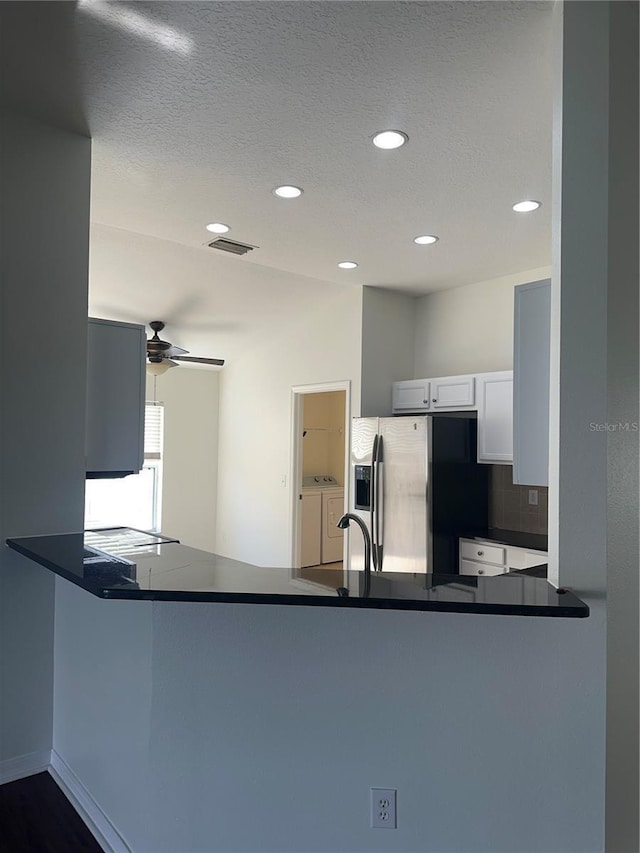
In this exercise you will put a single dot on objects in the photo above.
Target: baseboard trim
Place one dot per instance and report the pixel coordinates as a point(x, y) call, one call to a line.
point(24, 765)
point(96, 820)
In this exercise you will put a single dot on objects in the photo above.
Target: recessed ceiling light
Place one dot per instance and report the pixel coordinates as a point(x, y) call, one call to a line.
point(347, 265)
point(389, 139)
point(217, 227)
point(425, 239)
point(526, 206)
point(287, 191)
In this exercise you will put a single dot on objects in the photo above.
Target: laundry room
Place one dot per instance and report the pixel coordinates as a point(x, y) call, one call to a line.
point(322, 487)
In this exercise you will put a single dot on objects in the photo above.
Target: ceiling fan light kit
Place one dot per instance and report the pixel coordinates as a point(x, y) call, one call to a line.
point(157, 368)
point(162, 355)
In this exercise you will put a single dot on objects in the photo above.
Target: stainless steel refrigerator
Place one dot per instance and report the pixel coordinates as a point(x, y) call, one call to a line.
point(418, 487)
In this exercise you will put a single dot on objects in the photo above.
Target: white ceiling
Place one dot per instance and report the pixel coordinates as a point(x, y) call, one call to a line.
point(242, 96)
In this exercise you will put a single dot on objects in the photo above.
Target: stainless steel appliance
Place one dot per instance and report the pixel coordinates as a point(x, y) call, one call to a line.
point(417, 487)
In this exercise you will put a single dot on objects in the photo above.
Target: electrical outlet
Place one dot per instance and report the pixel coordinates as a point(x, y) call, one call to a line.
point(533, 497)
point(383, 808)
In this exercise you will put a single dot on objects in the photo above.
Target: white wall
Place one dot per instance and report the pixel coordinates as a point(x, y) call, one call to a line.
point(594, 521)
point(44, 215)
point(623, 794)
point(473, 724)
point(254, 500)
point(593, 534)
point(239, 728)
point(190, 456)
point(388, 323)
point(102, 703)
point(468, 329)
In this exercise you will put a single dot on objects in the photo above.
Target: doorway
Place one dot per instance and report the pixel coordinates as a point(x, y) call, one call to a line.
point(319, 482)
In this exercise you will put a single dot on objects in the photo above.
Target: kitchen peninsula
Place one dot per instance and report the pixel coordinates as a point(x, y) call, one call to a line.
point(125, 564)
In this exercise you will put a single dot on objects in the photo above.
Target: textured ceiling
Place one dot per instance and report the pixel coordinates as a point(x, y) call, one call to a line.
point(197, 110)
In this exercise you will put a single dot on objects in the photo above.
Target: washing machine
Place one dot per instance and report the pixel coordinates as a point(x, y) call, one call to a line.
point(322, 506)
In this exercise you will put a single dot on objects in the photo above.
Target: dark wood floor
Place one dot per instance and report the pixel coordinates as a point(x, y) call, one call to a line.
point(36, 817)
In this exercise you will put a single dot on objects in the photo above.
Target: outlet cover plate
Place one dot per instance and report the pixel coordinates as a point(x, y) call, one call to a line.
point(383, 808)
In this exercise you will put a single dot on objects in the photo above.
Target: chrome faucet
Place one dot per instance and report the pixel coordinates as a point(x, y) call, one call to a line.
point(343, 524)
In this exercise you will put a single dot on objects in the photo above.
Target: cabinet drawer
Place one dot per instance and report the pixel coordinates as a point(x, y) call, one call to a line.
point(482, 553)
point(471, 567)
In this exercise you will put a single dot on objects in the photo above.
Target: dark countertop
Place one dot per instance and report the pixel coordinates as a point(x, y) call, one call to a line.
point(142, 566)
point(517, 538)
point(531, 571)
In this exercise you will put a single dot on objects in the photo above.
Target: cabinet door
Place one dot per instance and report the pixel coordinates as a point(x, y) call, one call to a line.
point(495, 417)
point(411, 396)
point(310, 529)
point(116, 355)
point(453, 392)
point(531, 341)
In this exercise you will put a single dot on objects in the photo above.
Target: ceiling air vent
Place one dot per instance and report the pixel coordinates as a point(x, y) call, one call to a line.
point(230, 246)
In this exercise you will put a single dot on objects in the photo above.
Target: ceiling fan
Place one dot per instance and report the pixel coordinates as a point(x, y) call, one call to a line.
point(161, 355)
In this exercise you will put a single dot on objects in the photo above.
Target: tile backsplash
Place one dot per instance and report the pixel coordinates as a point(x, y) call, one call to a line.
point(509, 507)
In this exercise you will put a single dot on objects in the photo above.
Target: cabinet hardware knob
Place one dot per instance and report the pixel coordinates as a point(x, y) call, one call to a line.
point(480, 553)
point(480, 571)
point(434, 400)
point(425, 402)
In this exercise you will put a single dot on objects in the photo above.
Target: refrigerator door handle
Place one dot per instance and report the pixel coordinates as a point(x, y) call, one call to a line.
point(379, 502)
point(372, 503)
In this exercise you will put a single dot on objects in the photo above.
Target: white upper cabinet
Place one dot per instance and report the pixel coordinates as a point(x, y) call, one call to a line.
point(490, 394)
point(453, 392)
point(532, 335)
point(411, 396)
point(116, 356)
point(495, 417)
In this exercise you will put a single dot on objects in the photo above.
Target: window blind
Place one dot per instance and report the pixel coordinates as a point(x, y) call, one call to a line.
point(153, 430)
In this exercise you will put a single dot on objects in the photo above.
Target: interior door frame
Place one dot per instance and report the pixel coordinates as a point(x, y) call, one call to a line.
point(295, 468)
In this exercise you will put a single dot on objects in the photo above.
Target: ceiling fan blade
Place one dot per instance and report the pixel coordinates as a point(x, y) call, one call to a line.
point(219, 361)
point(173, 351)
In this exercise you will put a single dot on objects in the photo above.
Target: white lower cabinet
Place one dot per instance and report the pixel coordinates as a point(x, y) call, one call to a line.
point(483, 557)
